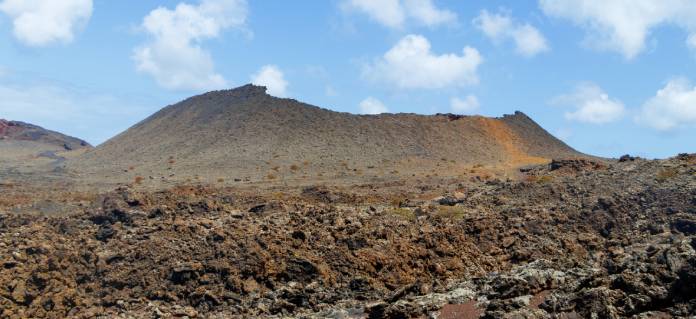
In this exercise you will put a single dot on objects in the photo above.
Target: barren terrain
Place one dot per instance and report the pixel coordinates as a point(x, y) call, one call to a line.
point(236, 204)
point(244, 135)
point(570, 239)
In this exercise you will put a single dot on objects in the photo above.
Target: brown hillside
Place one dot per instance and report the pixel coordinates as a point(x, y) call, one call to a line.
point(248, 135)
point(12, 131)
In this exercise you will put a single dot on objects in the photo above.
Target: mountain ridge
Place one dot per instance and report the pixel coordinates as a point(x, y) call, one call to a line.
point(244, 133)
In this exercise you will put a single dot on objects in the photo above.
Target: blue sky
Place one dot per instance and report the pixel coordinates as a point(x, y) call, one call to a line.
point(608, 78)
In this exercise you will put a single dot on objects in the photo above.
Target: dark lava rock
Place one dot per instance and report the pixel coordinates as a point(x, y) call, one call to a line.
point(105, 232)
point(685, 226)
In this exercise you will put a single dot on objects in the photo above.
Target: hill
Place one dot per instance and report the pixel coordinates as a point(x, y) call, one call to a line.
point(32, 153)
point(25, 132)
point(245, 134)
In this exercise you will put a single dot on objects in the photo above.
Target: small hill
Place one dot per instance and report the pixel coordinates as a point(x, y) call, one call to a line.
point(33, 155)
point(245, 134)
point(15, 131)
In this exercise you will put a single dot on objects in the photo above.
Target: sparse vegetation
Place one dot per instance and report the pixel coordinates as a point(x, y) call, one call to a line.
point(398, 200)
point(404, 213)
point(666, 174)
point(453, 212)
point(543, 179)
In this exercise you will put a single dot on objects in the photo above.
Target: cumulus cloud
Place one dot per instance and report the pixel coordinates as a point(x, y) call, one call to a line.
point(396, 13)
point(411, 64)
point(372, 105)
point(500, 26)
point(623, 25)
point(592, 105)
point(41, 23)
point(174, 56)
point(468, 105)
point(673, 107)
point(272, 78)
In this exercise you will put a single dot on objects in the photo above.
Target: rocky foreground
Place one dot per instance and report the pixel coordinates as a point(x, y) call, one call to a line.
point(572, 239)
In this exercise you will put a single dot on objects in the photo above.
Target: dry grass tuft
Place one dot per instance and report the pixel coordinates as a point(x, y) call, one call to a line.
point(453, 212)
point(404, 213)
point(667, 174)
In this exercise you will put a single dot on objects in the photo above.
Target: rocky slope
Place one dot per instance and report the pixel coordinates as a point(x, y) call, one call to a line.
point(572, 239)
point(246, 134)
point(24, 132)
point(33, 155)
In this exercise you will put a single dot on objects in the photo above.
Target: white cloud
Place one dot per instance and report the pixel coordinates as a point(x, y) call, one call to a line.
point(411, 64)
point(494, 26)
point(174, 56)
point(426, 13)
point(372, 105)
point(592, 105)
point(673, 106)
point(500, 26)
point(691, 41)
point(529, 41)
point(41, 23)
point(273, 79)
point(623, 25)
point(468, 105)
point(389, 13)
point(80, 113)
point(395, 13)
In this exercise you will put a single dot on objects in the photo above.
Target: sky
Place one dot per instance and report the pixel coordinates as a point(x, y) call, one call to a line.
point(607, 77)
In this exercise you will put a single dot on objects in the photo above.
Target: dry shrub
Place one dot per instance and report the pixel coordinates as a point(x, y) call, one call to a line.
point(276, 168)
point(398, 200)
point(404, 213)
point(138, 180)
point(271, 176)
point(294, 167)
point(667, 174)
point(220, 180)
point(538, 179)
point(453, 212)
